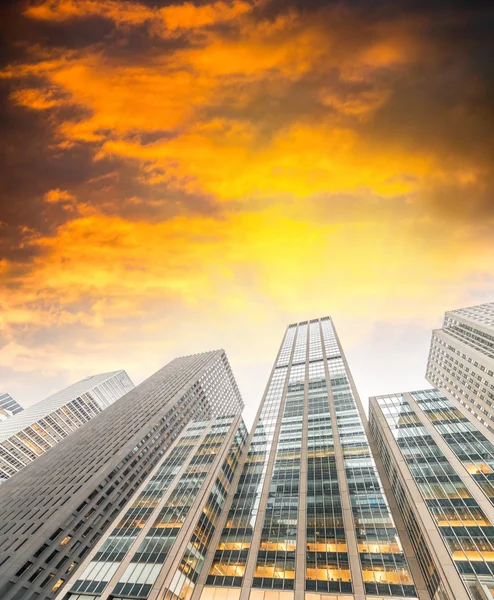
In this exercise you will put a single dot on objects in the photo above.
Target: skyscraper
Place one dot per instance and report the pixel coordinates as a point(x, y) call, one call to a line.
point(27, 435)
point(307, 516)
point(440, 461)
point(461, 360)
point(8, 406)
point(55, 510)
point(157, 546)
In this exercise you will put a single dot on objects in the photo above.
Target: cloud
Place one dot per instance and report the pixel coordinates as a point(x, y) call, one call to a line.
point(165, 20)
point(219, 167)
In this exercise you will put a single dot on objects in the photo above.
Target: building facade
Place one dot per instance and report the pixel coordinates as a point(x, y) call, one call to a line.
point(461, 360)
point(8, 406)
point(440, 461)
point(29, 434)
point(55, 510)
point(157, 546)
point(307, 517)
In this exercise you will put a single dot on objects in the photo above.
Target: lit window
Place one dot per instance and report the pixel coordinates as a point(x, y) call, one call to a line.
point(57, 585)
point(65, 540)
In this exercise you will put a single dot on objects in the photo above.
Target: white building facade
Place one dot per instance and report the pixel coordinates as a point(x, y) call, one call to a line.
point(461, 360)
point(33, 431)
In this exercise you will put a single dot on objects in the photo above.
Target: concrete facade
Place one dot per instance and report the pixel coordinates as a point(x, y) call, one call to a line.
point(55, 510)
point(461, 360)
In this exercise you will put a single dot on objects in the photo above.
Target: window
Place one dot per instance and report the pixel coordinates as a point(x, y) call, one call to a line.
point(56, 534)
point(57, 585)
point(71, 566)
point(36, 573)
point(23, 569)
point(47, 579)
point(65, 540)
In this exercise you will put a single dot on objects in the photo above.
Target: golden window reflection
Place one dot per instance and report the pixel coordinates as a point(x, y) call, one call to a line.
point(233, 545)
point(288, 546)
point(274, 572)
point(330, 547)
point(478, 468)
point(382, 576)
point(381, 548)
point(328, 574)
point(227, 570)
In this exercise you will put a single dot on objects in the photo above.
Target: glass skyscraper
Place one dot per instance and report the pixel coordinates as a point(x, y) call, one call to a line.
point(157, 546)
point(440, 461)
point(461, 360)
point(309, 517)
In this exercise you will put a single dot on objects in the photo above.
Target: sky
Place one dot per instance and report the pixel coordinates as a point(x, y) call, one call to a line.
point(178, 177)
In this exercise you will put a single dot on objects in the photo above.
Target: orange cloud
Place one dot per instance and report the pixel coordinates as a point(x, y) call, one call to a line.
point(57, 195)
point(35, 98)
point(165, 20)
point(62, 10)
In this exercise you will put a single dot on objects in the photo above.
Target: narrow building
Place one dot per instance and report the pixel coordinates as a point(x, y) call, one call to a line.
point(440, 461)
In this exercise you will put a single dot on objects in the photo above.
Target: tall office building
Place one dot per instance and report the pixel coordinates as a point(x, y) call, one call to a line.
point(27, 435)
point(461, 360)
point(8, 406)
point(440, 462)
point(307, 516)
point(56, 509)
point(157, 546)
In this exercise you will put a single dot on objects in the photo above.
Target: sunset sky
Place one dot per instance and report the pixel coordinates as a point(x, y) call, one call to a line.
point(182, 177)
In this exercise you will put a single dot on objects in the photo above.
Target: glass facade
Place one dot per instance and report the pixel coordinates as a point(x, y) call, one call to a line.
point(327, 564)
point(229, 563)
point(154, 528)
point(465, 439)
point(289, 498)
point(464, 527)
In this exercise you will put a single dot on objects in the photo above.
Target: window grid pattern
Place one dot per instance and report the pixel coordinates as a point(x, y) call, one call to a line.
point(462, 524)
point(189, 569)
point(23, 443)
point(286, 347)
point(385, 570)
point(228, 566)
point(468, 443)
point(275, 565)
point(327, 566)
point(104, 564)
point(427, 564)
point(149, 557)
point(461, 360)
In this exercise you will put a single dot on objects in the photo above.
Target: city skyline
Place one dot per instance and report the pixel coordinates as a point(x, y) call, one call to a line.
point(320, 503)
point(369, 382)
point(307, 511)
